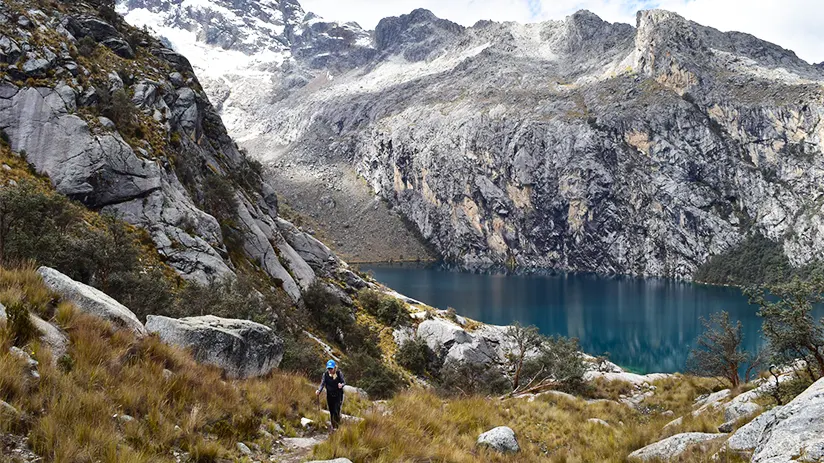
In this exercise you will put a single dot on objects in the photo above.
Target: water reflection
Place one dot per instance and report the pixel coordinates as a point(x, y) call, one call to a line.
point(647, 325)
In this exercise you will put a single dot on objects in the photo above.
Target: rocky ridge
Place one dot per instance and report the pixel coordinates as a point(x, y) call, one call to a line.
point(573, 144)
point(156, 168)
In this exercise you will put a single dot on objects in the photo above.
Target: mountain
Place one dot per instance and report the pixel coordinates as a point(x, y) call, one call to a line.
point(575, 144)
point(120, 123)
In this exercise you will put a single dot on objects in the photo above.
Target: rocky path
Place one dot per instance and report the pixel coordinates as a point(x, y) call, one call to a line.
point(299, 449)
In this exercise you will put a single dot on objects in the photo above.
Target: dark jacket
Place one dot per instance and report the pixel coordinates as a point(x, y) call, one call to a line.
point(331, 384)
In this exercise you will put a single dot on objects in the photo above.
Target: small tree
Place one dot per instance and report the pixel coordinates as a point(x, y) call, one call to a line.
point(788, 323)
point(718, 350)
point(559, 363)
point(522, 340)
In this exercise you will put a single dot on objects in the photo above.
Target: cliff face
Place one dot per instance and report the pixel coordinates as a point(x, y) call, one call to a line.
point(120, 123)
point(574, 144)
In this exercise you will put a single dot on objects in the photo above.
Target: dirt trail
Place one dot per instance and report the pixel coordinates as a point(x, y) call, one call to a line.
point(298, 449)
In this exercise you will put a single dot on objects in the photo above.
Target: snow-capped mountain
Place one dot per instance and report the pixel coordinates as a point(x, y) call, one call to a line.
point(245, 52)
point(575, 144)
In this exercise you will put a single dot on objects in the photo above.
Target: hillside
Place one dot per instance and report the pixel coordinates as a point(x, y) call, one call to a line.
point(574, 144)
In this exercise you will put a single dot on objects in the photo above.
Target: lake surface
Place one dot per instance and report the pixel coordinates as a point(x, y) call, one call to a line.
point(647, 325)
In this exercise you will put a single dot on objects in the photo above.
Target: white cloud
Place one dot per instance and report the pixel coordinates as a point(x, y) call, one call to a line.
point(794, 24)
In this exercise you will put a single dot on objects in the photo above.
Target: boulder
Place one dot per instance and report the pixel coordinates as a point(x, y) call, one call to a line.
point(352, 391)
point(672, 447)
point(336, 460)
point(91, 300)
point(501, 439)
point(102, 32)
point(712, 399)
point(241, 348)
point(796, 431)
point(439, 334)
point(598, 421)
point(737, 410)
point(51, 336)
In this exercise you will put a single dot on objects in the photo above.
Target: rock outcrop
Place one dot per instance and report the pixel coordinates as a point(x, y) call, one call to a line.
point(241, 348)
point(573, 144)
point(501, 439)
point(156, 161)
point(91, 300)
point(794, 432)
point(747, 437)
point(671, 447)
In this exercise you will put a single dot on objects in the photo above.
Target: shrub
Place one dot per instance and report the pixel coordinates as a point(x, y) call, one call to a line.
point(19, 323)
point(86, 46)
point(388, 310)
point(229, 298)
point(416, 356)
point(122, 111)
point(559, 360)
point(371, 375)
point(219, 198)
point(466, 379)
point(302, 355)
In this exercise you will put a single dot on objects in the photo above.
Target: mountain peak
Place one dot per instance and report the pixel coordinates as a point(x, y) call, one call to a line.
point(416, 34)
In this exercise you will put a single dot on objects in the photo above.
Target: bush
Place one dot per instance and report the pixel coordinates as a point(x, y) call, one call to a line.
point(416, 356)
point(789, 325)
point(230, 298)
point(559, 359)
point(372, 375)
point(86, 46)
point(19, 323)
point(122, 112)
point(466, 379)
point(388, 310)
point(219, 198)
point(304, 356)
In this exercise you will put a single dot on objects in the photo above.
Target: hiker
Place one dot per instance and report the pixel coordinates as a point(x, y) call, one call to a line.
point(333, 382)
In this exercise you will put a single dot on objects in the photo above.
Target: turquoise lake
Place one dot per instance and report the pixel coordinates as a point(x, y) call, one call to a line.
point(647, 325)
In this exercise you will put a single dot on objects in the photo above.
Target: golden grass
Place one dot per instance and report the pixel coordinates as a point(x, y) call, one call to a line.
point(420, 426)
point(70, 412)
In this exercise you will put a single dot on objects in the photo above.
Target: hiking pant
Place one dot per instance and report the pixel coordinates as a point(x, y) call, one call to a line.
point(334, 403)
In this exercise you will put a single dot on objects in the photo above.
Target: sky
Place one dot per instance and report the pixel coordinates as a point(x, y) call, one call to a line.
point(794, 24)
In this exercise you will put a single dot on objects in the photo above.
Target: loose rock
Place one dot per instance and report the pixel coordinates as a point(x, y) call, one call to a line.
point(501, 439)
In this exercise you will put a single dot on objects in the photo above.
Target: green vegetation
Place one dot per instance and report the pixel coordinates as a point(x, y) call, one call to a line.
point(756, 260)
point(387, 309)
point(791, 331)
point(718, 351)
point(416, 356)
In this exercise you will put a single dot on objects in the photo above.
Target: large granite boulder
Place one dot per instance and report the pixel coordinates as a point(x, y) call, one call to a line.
point(796, 430)
point(242, 348)
point(91, 300)
point(672, 447)
point(501, 439)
